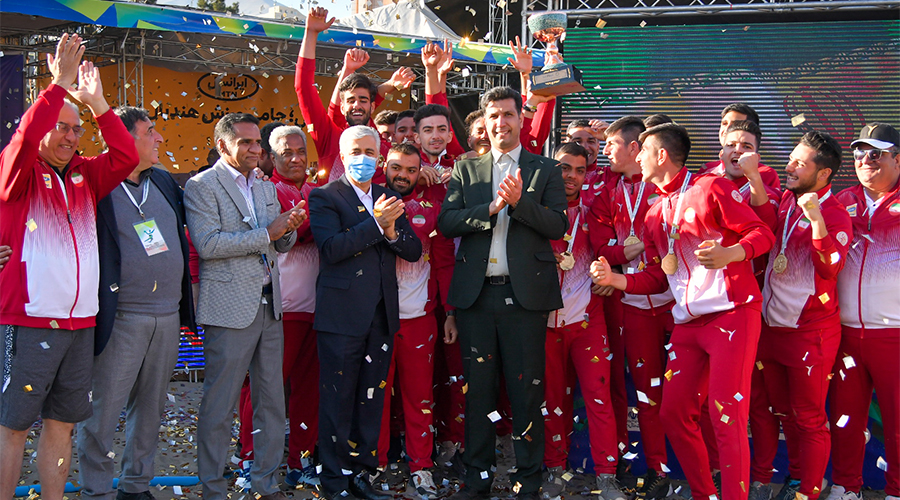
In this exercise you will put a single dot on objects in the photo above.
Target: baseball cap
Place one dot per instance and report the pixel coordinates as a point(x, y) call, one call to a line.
point(878, 135)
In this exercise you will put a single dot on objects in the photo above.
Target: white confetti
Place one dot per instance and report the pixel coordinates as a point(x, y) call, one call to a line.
point(171, 397)
point(370, 393)
point(484, 474)
point(843, 421)
point(849, 362)
point(177, 490)
point(663, 468)
point(738, 396)
point(256, 431)
point(882, 464)
point(45, 345)
point(642, 397)
point(494, 416)
point(630, 455)
point(654, 382)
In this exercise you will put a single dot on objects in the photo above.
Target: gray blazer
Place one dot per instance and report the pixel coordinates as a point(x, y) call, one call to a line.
point(231, 249)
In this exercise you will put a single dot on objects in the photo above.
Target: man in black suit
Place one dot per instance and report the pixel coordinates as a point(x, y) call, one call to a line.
point(360, 229)
point(145, 296)
point(506, 206)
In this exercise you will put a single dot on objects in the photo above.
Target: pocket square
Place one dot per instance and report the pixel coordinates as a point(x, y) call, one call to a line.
point(530, 189)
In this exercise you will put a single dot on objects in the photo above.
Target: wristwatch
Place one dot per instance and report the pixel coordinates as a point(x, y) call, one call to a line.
point(451, 313)
point(529, 108)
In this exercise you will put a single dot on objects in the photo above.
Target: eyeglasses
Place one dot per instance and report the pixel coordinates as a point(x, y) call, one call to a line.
point(872, 154)
point(65, 127)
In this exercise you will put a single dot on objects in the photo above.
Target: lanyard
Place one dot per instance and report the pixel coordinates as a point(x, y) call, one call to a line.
point(632, 212)
point(786, 233)
point(676, 217)
point(146, 186)
point(574, 230)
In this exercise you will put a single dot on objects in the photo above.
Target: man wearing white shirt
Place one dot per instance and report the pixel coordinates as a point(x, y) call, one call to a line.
point(506, 207)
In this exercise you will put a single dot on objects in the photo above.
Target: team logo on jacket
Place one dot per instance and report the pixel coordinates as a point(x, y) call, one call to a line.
point(842, 238)
point(894, 209)
point(690, 215)
point(77, 178)
point(418, 220)
point(48, 181)
point(852, 210)
point(737, 196)
point(652, 199)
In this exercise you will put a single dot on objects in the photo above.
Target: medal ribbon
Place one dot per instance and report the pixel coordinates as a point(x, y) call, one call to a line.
point(632, 212)
point(676, 217)
point(786, 234)
point(146, 186)
point(574, 230)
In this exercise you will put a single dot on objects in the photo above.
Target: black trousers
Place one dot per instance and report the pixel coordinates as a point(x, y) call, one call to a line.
point(498, 336)
point(352, 371)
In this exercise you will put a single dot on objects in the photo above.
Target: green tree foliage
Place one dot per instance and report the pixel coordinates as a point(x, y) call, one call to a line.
point(219, 6)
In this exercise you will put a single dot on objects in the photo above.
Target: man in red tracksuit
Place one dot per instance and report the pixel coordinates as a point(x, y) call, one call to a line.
point(576, 345)
point(412, 363)
point(699, 241)
point(617, 228)
point(740, 164)
point(869, 295)
point(802, 327)
point(48, 204)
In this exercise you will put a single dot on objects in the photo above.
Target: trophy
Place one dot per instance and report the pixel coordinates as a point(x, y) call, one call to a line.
point(556, 77)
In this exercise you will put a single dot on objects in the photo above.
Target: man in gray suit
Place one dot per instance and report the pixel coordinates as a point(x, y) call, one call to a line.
point(237, 226)
point(505, 206)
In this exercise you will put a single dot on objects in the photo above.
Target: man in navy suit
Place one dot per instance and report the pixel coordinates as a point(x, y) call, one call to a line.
point(360, 229)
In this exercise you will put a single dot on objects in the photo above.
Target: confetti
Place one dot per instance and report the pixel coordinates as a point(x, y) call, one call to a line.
point(882, 464)
point(848, 363)
point(824, 298)
point(759, 365)
point(725, 419)
point(60, 462)
point(600, 24)
point(370, 393)
point(154, 103)
point(177, 490)
point(668, 374)
point(509, 301)
point(54, 324)
point(31, 225)
point(842, 421)
point(45, 345)
point(643, 397)
point(655, 381)
point(494, 416)
point(256, 431)
point(663, 468)
point(738, 396)
point(797, 119)
point(643, 23)
point(630, 455)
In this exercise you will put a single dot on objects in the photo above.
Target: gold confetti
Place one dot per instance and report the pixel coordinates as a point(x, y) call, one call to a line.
point(154, 286)
point(797, 120)
point(824, 298)
point(382, 384)
point(54, 324)
point(28, 388)
point(643, 23)
point(600, 23)
point(60, 462)
point(719, 406)
point(31, 225)
point(669, 375)
point(465, 388)
point(759, 365)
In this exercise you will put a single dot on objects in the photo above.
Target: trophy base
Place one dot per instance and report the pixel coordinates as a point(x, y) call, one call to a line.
point(557, 80)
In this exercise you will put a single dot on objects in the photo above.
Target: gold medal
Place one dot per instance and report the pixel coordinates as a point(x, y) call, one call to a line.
point(670, 264)
point(780, 264)
point(631, 240)
point(568, 261)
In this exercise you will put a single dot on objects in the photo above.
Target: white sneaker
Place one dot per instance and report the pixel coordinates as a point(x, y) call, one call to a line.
point(423, 483)
point(840, 493)
point(892, 497)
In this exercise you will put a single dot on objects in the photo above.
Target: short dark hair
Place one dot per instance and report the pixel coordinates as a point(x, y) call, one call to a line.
point(746, 126)
point(386, 117)
point(501, 94)
point(828, 151)
point(430, 110)
point(743, 109)
point(225, 126)
point(473, 117)
point(404, 148)
point(628, 127)
point(265, 132)
point(130, 116)
point(358, 81)
point(406, 113)
point(673, 138)
point(571, 148)
point(577, 123)
point(657, 119)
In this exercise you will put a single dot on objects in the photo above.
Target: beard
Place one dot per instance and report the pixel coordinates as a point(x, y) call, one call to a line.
point(351, 121)
point(402, 192)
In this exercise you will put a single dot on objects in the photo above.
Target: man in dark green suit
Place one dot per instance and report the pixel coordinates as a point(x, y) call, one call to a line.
point(506, 206)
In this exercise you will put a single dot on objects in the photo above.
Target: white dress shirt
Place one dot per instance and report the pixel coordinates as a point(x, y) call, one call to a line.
point(245, 186)
point(504, 164)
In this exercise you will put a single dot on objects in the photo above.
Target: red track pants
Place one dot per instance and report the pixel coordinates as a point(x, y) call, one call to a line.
point(877, 360)
point(712, 362)
point(301, 370)
point(412, 367)
point(645, 338)
point(582, 351)
point(796, 364)
point(612, 310)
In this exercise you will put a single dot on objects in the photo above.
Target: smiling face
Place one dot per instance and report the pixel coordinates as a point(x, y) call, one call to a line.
point(434, 134)
point(880, 175)
point(289, 157)
point(737, 143)
point(405, 130)
point(586, 139)
point(478, 138)
point(57, 148)
point(357, 106)
point(402, 172)
point(147, 141)
point(803, 174)
point(243, 151)
point(503, 123)
point(574, 168)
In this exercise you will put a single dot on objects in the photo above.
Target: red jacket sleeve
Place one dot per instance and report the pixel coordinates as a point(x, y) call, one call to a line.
point(108, 170)
point(652, 279)
point(737, 216)
point(18, 158)
point(325, 134)
point(542, 122)
point(830, 252)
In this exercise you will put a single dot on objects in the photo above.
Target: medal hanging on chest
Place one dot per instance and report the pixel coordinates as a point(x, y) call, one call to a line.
point(670, 261)
point(780, 264)
point(632, 212)
point(568, 259)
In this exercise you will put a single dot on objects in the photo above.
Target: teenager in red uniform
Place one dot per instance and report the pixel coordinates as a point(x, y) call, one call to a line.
point(869, 295)
point(699, 241)
point(617, 229)
point(357, 94)
point(740, 160)
point(412, 363)
point(739, 111)
point(800, 307)
point(576, 345)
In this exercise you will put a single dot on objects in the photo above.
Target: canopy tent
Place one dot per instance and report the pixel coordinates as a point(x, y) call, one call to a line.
point(402, 17)
point(175, 19)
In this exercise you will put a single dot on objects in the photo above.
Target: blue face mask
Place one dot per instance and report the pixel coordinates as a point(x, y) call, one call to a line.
point(360, 167)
